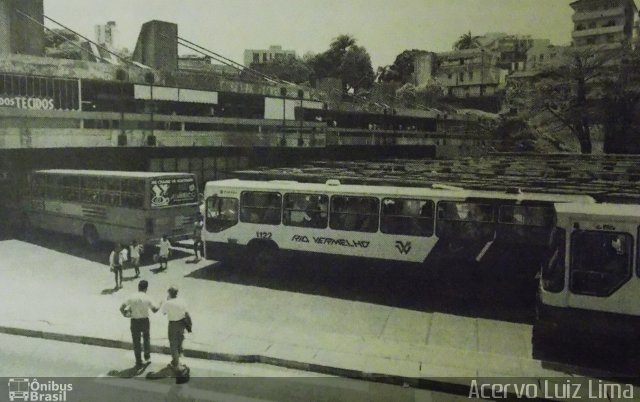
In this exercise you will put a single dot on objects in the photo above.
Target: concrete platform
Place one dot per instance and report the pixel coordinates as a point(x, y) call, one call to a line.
point(54, 295)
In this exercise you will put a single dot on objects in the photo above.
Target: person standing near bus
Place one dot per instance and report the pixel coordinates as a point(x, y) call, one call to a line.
point(137, 308)
point(163, 254)
point(197, 238)
point(134, 254)
point(116, 259)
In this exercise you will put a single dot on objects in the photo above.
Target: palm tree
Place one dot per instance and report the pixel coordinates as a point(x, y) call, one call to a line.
point(467, 41)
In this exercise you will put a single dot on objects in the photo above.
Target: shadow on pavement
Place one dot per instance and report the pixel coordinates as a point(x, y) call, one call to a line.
point(75, 246)
point(449, 288)
point(109, 291)
point(129, 372)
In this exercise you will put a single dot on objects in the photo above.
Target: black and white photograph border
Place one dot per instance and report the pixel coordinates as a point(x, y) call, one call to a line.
point(348, 200)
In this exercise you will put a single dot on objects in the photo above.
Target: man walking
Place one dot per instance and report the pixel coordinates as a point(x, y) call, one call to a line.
point(137, 308)
point(163, 253)
point(176, 312)
point(116, 258)
point(134, 254)
point(197, 239)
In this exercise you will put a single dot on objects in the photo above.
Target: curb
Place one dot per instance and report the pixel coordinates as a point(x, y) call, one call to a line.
point(413, 382)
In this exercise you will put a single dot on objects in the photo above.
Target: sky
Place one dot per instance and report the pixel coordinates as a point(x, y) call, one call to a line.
point(384, 27)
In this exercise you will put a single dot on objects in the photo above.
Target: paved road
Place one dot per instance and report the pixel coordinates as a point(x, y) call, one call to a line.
point(102, 374)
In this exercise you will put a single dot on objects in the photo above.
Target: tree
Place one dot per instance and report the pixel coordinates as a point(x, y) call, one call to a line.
point(570, 94)
point(402, 69)
point(467, 41)
point(288, 69)
point(346, 61)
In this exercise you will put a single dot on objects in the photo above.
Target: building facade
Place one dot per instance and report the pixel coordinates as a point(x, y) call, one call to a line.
point(106, 35)
point(266, 55)
point(470, 73)
point(606, 23)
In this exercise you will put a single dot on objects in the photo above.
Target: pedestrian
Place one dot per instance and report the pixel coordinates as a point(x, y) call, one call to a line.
point(163, 255)
point(137, 308)
point(134, 254)
point(197, 238)
point(176, 312)
point(116, 258)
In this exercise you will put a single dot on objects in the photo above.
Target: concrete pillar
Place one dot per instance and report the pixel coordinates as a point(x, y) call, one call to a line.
point(157, 45)
point(19, 34)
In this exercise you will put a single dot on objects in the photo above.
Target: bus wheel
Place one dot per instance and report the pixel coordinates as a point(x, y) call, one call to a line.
point(26, 228)
point(90, 235)
point(264, 258)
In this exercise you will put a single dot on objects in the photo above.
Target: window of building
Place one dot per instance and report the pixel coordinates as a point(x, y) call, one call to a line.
point(591, 41)
point(601, 262)
point(449, 76)
point(579, 27)
point(461, 77)
point(611, 38)
point(592, 25)
point(360, 214)
point(264, 58)
point(256, 57)
point(470, 75)
point(407, 217)
point(609, 23)
point(306, 210)
point(541, 58)
point(461, 62)
point(260, 207)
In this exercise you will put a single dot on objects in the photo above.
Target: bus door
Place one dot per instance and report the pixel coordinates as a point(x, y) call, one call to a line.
point(601, 270)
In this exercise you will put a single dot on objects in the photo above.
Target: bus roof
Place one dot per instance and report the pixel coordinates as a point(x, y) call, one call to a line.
point(605, 209)
point(437, 191)
point(111, 173)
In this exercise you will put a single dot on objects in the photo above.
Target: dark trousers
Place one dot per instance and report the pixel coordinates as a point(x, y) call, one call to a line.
point(176, 337)
point(117, 270)
point(197, 247)
point(140, 328)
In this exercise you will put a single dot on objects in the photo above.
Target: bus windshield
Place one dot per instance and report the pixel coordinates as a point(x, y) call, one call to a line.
point(169, 191)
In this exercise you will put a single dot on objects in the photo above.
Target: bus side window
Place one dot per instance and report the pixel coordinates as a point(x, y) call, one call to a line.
point(407, 217)
point(261, 207)
point(305, 210)
point(553, 269)
point(359, 214)
point(465, 220)
point(600, 263)
point(221, 213)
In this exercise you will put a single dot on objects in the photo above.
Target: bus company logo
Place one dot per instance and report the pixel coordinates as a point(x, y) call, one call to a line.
point(25, 389)
point(403, 247)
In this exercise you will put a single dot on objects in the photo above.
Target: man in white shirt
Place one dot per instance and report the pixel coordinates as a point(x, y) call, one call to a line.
point(137, 307)
point(164, 251)
point(176, 311)
point(116, 259)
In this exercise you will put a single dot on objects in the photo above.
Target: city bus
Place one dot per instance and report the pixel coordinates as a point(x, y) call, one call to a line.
point(590, 282)
point(266, 219)
point(112, 205)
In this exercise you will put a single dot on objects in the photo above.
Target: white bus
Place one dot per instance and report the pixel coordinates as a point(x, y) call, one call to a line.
point(112, 206)
point(590, 283)
point(262, 219)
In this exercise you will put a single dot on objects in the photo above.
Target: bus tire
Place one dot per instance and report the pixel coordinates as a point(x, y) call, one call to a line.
point(90, 235)
point(264, 256)
point(26, 228)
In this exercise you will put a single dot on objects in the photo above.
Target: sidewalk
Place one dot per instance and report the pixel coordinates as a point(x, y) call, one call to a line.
point(53, 295)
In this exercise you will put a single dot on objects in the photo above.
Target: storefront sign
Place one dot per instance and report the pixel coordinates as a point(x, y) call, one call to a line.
point(27, 102)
